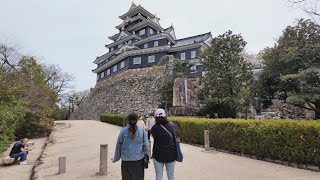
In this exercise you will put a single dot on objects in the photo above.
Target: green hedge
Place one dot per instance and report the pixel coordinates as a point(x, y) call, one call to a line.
point(115, 119)
point(288, 140)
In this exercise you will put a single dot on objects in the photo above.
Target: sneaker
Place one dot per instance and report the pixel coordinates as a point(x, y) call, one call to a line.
point(23, 163)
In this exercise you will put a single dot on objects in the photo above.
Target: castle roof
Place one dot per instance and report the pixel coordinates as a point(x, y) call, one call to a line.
point(134, 9)
point(130, 41)
point(192, 39)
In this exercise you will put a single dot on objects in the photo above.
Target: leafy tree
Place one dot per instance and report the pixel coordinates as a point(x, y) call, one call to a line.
point(11, 110)
point(180, 69)
point(227, 74)
point(291, 66)
point(27, 101)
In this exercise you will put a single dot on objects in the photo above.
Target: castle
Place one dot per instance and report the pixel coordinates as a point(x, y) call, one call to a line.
point(128, 79)
point(142, 42)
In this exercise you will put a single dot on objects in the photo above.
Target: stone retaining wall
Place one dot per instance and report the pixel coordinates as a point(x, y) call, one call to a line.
point(135, 90)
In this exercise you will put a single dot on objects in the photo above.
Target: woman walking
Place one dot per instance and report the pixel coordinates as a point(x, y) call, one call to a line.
point(150, 122)
point(133, 148)
point(164, 148)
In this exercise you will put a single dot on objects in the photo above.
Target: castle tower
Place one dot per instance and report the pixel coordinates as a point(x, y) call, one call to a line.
point(141, 42)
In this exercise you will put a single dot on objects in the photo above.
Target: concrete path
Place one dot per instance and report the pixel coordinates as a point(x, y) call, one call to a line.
point(22, 172)
point(79, 141)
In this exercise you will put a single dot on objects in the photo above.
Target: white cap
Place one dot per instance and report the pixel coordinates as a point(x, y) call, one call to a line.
point(160, 113)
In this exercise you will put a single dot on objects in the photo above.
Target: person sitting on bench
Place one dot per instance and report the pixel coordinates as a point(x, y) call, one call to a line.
point(20, 150)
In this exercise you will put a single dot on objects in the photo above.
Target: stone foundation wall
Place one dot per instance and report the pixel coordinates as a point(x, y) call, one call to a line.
point(135, 90)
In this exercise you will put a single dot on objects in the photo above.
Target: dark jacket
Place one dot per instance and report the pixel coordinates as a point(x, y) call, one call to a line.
point(164, 149)
point(16, 149)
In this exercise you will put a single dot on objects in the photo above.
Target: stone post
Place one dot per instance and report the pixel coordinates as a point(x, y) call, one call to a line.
point(62, 165)
point(103, 159)
point(206, 140)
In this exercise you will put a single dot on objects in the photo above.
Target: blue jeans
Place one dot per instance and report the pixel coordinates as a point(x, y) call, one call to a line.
point(21, 155)
point(158, 166)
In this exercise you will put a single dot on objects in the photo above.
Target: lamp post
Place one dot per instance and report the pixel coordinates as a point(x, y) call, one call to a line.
point(71, 106)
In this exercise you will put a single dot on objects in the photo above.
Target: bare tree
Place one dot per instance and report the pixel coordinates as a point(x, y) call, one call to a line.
point(57, 79)
point(311, 7)
point(9, 56)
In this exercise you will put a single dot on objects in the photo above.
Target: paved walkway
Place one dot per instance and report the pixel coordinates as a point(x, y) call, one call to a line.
point(22, 172)
point(80, 140)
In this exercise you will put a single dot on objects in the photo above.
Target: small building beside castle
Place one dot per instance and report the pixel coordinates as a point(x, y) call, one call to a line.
point(142, 42)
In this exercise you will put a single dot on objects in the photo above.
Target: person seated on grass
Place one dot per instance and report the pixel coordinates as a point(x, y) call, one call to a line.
point(20, 150)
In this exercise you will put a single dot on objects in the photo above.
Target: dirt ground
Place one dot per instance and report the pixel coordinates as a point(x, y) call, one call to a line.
point(21, 172)
point(79, 142)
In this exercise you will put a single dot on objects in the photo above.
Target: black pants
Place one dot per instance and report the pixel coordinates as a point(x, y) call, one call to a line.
point(132, 170)
point(149, 133)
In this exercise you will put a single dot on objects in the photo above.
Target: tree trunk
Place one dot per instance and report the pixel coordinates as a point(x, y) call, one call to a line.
point(317, 115)
point(317, 109)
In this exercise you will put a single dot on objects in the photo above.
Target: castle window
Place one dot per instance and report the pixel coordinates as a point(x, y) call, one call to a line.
point(151, 31)
point(193, 54)
point(108, 72)
point(137, 60)
point(115, 68)
point(156, 43)
point(101, 75)
point(145, 45)
point(142, 32)
point(122, 65)
point(151, 59)
point(183, 56)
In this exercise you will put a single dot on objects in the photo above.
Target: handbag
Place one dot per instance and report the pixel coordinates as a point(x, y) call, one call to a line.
point(176, 142)
point(146, 158)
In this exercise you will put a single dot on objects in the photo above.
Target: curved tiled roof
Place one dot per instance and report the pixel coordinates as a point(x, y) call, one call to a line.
point(192, 39)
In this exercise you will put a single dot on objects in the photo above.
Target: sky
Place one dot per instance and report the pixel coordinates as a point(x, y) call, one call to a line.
point(72, 33)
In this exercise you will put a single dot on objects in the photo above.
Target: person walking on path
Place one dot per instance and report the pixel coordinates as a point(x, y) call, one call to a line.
point(164, 148)
point(141, 123)
point(133, 148)
point(150, 122)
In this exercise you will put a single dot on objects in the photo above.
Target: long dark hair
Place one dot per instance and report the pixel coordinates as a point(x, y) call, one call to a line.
point(132, 120)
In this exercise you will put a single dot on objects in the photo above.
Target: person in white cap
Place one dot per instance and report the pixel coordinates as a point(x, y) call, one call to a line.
point(164, 149)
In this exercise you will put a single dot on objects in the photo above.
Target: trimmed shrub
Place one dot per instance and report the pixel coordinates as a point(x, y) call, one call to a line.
point(287, 140)
point(115, 119)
